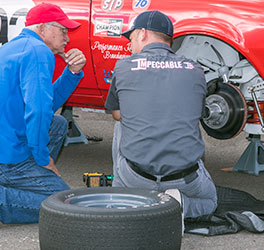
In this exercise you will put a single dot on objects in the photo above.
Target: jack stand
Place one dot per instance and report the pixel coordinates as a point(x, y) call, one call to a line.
point(252, 160)
point(74, 135)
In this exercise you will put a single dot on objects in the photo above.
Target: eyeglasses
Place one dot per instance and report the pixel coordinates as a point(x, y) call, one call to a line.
point(64, 30)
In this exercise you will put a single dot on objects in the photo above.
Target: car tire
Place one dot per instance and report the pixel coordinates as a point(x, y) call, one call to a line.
point(110, 218)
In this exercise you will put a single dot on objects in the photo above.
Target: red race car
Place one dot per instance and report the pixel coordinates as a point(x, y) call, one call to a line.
point(225, 36)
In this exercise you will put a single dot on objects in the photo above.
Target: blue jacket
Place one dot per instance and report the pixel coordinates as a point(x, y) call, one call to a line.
point(28, 99)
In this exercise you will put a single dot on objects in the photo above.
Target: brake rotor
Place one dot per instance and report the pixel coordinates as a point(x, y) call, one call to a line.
point(225, 112)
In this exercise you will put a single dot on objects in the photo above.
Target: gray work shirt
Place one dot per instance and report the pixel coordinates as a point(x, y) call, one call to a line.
point(161, 99)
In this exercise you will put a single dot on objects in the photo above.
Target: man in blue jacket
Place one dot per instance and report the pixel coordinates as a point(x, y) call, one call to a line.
point(31, 135)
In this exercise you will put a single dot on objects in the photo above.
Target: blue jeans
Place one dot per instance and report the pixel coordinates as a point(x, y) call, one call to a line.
point(25, 185)
point(197, 189)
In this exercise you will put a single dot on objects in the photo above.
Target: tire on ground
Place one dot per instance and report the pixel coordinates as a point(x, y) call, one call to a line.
point(156, 225)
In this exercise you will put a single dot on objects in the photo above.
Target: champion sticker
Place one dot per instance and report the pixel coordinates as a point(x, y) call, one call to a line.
point(108, 27)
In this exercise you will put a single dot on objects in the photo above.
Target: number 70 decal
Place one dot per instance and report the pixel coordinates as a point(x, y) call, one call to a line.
point(139, 5)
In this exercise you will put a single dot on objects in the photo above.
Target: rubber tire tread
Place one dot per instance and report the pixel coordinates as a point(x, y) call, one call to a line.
point(69, 227)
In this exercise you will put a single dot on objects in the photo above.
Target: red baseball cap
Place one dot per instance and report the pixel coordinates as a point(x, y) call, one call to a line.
point(46, 12)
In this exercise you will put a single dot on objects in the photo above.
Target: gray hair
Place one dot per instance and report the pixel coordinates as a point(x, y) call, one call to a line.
point(35, 26)
point(32, 27)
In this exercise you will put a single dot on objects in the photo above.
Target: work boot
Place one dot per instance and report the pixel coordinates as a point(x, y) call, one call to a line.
point(175, 193)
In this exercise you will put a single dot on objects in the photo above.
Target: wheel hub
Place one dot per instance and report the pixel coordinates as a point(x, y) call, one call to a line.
point(216, 112)
point(225, 112)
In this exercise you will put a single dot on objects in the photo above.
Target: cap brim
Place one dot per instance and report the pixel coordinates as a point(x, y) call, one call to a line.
point(70, 24)
point(127, 33)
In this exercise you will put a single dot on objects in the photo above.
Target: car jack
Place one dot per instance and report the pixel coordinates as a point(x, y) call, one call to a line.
point(74, 134)
point(252, 160)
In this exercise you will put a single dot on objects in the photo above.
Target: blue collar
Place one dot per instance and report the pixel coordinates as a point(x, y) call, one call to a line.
point(29, 32)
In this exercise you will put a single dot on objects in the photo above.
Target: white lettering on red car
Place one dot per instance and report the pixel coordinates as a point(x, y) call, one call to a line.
point(111, 51)
point(112, 5)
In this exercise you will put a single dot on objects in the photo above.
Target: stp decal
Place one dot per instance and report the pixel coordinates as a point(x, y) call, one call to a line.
point(141, 5)
point(112, 5)
point(108, 27)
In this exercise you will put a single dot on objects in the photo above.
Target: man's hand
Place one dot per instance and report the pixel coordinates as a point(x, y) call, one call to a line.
point(75, 59)
point(52, 167)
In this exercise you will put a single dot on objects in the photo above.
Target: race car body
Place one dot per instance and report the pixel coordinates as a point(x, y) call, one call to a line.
point(225, 36)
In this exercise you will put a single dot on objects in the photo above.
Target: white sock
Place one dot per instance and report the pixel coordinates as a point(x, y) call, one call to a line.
point(175, 193)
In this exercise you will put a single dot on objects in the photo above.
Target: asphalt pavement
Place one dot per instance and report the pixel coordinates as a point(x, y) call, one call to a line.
point(75, 159)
